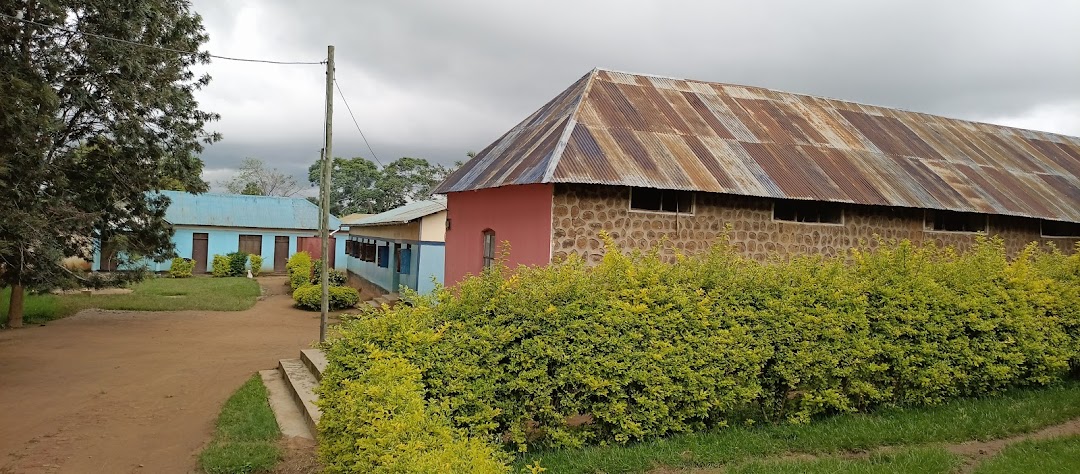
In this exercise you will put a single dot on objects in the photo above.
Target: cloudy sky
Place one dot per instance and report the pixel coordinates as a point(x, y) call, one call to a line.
point(435, 79)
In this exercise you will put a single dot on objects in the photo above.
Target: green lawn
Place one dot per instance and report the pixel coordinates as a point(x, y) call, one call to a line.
point(1052, 456)
point(928, 460)
point(155, 294)
point(960, 420)
point(246, 435)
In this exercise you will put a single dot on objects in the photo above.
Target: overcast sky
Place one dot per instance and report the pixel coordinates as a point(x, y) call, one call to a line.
point(435, 79)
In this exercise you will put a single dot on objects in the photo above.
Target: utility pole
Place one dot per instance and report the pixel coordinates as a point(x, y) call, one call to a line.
point(324, 204)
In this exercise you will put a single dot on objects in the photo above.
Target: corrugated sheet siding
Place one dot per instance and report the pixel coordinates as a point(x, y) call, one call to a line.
point(634, 130)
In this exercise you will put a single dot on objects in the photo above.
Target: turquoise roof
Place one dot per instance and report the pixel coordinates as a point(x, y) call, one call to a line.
point(239, 210)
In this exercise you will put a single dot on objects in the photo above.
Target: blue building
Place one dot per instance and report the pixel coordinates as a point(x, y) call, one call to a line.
point(400, 247)
point(209, 224)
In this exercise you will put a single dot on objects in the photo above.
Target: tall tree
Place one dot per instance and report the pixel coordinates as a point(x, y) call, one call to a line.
point(89, 126)
point(358, 185)
point(254, 178)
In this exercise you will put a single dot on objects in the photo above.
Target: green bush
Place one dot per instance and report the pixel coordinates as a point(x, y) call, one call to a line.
point(380, 423)
point(336, 278)
point(299, 268)
point(309, 297)
point(256, 264)
point(220, 266)
point(181, 267)
point(636, 348)
point(238, 264)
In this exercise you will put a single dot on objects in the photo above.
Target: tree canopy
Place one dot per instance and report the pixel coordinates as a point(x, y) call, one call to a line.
point(89, 126)
point(254, 178)
point(358, 185)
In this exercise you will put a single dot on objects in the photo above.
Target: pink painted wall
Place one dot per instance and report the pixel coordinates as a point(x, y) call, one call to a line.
point(518, 214)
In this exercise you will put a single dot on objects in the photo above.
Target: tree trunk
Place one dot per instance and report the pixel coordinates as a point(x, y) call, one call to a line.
point(15, 308)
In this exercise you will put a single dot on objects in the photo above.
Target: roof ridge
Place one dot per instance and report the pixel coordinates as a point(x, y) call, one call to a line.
point(571, 123)
point(824, 97)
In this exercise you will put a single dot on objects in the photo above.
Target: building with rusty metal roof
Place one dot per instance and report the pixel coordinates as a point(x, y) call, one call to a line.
point(647, 158)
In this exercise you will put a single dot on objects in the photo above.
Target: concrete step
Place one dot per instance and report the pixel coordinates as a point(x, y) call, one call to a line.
point(289, 418)
point(302, 384)
point(315, 361)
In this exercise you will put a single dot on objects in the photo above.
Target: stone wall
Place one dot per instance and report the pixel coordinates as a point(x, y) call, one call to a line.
point(580, 212)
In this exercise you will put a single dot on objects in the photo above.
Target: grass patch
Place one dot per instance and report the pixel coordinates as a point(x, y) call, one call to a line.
point(915, 461)
point(1044, 457)
point(985, 418)
point(246, 435)
point(156, 294)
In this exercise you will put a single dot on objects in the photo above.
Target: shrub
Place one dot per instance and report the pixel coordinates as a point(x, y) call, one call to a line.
point(380, 423)
point(220, 266)
point(256, 264)
point(336, 278)
point(309, 297)
point(635, 348)
point(299, 268)
point(181, 267)
point(238, 264)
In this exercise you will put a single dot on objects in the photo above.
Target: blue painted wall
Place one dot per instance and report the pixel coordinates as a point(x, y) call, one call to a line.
point(425, 262)
point(431, 264)
point(224, 241)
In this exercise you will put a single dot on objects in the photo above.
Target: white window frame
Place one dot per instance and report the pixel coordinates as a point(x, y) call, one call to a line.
point(929, 226)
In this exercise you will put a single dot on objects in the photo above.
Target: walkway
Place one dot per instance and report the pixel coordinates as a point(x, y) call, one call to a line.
point(139, 392)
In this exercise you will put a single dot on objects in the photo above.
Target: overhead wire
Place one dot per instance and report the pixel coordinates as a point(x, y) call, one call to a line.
point(342, 95)
point(150, 46)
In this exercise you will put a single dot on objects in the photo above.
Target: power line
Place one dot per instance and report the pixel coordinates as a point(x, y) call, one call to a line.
point(342, 95)
point(149, 46)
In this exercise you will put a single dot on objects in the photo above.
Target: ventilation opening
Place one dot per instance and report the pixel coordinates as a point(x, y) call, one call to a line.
point(950, 221)
point(808, 212)
point(661, 200)
point(1060, 229)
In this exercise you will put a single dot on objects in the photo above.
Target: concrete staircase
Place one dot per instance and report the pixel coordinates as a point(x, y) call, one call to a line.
point(389, 299)
point(292, 392)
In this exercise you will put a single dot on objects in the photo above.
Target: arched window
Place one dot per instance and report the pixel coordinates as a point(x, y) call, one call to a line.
point(489, 247)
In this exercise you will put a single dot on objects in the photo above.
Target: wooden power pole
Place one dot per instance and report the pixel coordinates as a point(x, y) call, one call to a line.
point(324, 203)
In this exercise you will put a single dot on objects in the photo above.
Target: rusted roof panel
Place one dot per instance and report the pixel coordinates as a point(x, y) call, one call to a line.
point(626, 129)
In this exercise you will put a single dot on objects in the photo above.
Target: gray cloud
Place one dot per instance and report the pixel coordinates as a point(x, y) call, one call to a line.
point(435, 79)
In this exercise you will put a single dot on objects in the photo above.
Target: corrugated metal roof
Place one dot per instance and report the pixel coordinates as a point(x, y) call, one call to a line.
point(624, 129)
point(238, 210)
point(401, 215)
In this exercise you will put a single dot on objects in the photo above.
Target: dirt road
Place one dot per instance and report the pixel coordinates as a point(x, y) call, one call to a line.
point(117, 392)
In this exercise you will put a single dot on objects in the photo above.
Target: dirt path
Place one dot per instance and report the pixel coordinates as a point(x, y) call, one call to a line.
point(134, 391)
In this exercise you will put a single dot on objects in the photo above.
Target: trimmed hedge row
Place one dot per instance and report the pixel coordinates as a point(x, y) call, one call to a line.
point(299, 269)
point(309, 297)
point(635, 348)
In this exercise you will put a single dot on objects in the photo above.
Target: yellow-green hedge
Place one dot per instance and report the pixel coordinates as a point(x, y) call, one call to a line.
point(309, 297)
point(638, 348)
point(381, 424)
point(299, 269)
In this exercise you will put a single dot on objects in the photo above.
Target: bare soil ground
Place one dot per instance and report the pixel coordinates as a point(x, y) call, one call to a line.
point(122, 391)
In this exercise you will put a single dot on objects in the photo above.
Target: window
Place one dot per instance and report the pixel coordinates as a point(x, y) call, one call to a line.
point(350, 248)
point(403, 259)
point(251, 244)
point(367, 251)
point(661, 200)
point(808, 211)
point(1060, 229)
point(949, 221)
point(384, 256)
point(489, 248)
